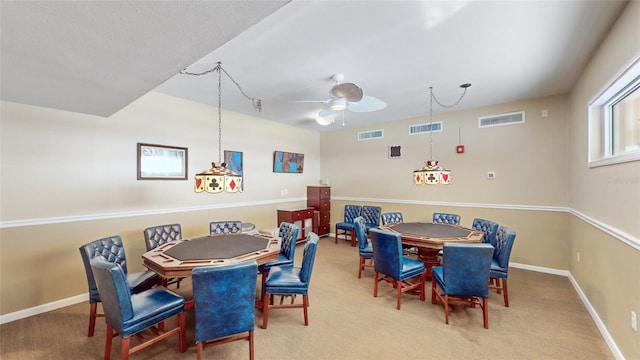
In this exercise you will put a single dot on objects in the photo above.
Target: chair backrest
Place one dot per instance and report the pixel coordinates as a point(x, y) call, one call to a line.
point(505, 238)
point(465, 268)
point(391, 217)
point(225, 227)
point(361, 232)
point(289, 234)
point(224, 299)
point(111, 281)
point(387, 252)
point(111, 249)
point(351, 212)
point(159, 235)
point(371, 215)
point(308, 257)
point(444, 218)
point(488, 227)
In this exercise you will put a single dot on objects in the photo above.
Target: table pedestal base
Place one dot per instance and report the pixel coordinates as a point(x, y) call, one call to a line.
point(430, 259)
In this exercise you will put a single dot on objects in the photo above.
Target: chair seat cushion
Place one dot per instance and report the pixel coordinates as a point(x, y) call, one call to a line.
point(497, 271)
point(367, 252)
point(346, 226)
point(438, 276)
point(151, 307)
point(143, 280)
point(280, 261)
point(410, 268)
point(285, 280)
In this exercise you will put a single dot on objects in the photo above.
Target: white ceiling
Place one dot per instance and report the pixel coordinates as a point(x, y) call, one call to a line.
point(97, 57)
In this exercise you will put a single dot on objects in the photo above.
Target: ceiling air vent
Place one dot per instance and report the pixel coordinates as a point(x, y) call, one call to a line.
point(501, 119)
point(425, 128)
point(370, 135)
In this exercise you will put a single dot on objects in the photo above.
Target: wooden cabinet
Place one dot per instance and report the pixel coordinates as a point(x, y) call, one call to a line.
point(319, 198)
point(303, 217)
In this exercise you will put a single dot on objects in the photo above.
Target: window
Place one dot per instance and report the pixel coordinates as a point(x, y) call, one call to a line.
point(614, 119)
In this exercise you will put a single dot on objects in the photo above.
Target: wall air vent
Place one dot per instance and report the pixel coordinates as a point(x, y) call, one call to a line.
point(425, 128)
point(370, 135)
point(501, 119)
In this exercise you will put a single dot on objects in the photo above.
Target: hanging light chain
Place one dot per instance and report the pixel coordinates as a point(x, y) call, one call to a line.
point(432, 97)
point(257, 103)
point(219, 117)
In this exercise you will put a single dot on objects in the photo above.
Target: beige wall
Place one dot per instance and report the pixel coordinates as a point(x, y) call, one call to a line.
point(70, 178)
point(609, 196)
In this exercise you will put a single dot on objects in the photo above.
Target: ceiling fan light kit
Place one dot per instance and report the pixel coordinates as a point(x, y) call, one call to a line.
point(346, 96)
point(432, 173)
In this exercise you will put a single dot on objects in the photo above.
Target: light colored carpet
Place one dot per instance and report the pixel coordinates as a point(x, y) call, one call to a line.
point(545, 320)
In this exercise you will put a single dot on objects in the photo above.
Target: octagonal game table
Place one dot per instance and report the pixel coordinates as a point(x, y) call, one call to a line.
point(429, 238)
point(178, 258)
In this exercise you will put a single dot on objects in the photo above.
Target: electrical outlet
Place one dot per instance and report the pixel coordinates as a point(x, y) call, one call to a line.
point(634, 321)
point(578, 256)
point(491, 175)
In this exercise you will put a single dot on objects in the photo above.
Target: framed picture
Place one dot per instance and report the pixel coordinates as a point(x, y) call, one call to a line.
point(161, 162)
point(286, 162)
point(234, 163)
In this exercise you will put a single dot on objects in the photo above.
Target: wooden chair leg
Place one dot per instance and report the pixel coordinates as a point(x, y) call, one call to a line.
point(126, 343)
point(375, 285)
point(92, 318)
point(360, 268)
point(485, 313)
point(446, 308)
point(503, 283)
point(433, 292)
point(251, 345)
point(398, 285)
point(265, 309)
point(107, 346)
point(182, 335)
point(305, 305)
point(200, 349)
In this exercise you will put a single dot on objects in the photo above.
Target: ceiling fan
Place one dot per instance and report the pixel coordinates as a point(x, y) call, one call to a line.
point(346, 96)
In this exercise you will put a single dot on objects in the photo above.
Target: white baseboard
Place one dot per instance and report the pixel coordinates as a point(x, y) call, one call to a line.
point(44, 308)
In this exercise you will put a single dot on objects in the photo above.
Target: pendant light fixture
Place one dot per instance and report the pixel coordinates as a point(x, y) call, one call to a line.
point(432, 173)
point(218, 178)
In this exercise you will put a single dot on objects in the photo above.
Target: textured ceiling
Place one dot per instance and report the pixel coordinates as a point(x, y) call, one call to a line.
point(96, 57)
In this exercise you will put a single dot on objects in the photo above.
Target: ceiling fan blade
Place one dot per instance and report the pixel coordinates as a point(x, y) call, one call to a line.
point(367, 104)
point(311, 101)
point(348, 91)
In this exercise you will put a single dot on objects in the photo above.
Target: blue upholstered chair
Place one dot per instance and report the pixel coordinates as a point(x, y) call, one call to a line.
point(159, 235)
point(364, 246)
point(288, 234)
point(111, 248)
point(489, 228)
point(347, 227)
point(389, 262)
point(505, 238)
point(224, 299)
point(444, 218)
point(391, 218)
point(127, 314)
point(371, 215)
point(463, 277)
point(290, 281)
point(225, 227)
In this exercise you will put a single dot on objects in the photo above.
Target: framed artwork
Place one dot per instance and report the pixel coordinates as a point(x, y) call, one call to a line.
point(234, 163)
point(286, 162)
point(162, 162)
